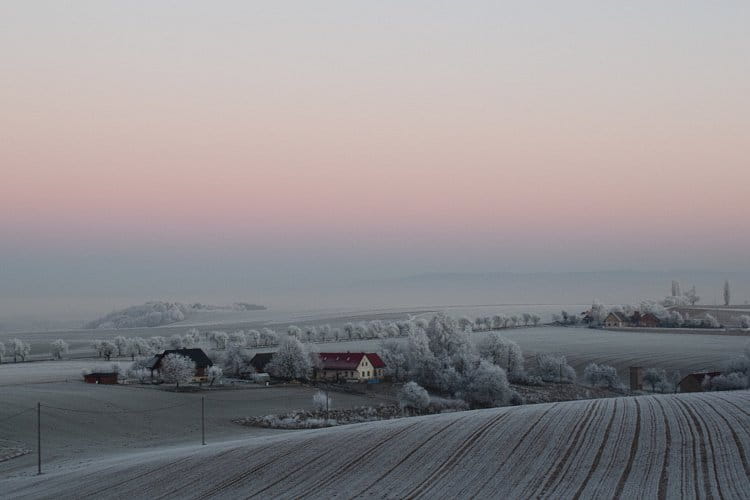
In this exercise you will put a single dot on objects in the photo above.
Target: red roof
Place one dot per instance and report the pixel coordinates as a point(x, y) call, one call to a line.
point(348, 360)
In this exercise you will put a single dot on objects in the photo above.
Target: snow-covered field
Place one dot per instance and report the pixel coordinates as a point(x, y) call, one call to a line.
point(81, 421)
point(671, 446)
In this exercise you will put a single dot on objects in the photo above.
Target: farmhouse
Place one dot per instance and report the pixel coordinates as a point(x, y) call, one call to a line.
point(100, 378)
point(694, 381)
point(202, 362)
point(615, 320)
point(349, 366)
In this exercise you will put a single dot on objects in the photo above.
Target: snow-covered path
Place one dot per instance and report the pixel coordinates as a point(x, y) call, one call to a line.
point(667, 446)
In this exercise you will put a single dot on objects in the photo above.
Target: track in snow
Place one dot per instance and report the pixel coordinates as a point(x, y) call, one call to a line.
point(666, 446)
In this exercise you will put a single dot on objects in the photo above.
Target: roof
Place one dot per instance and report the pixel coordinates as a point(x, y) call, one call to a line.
point(197, 355)
point(700, 375)
point(101, 374)
point(618, 316)
point(260, 361)
point(348, 360)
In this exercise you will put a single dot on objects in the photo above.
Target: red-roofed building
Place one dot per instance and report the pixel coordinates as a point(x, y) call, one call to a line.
point(350, 366)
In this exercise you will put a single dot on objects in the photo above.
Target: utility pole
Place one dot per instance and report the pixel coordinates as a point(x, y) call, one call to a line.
point(39, 438)
point(203, 419)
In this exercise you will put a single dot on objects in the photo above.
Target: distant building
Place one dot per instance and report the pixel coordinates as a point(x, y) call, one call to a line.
point(648, 320)
point(100, 378)
point(636, 378)
point(349, 366)
point(615, 320)
point(694, 381)
point(202, 362)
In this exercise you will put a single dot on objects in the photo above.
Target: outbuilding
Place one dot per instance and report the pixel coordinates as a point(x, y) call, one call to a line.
point(101, 378)
point(694, 381)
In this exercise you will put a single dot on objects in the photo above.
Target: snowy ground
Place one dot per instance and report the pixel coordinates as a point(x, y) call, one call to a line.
point(671, 446)
point(81, 421)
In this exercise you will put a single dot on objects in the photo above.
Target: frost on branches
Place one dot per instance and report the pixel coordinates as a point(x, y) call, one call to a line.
point(176, 368)
point(291, 361)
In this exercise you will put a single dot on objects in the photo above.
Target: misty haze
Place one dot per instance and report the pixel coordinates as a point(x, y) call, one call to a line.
point(374, 250)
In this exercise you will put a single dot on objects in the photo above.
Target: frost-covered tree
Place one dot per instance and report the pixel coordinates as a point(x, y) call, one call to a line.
point(219, 339)
point(176, 368)
point(58, 348)
point(192, 338)
point(503, 353)
point(710, 322)
point(214, 374)
point(322, 401)
point(325, 333)
point(413, 397)
point(554, 368)
point(394, 355)
point(235, 360)
point(391, 330)
point(20, 349)
point(465, 323)
point(600, 375)
point(655, 377)
point(269, 337)
point(348, 331)
point(598, 313)
point(156, 344)
point(176, 341)
point(675, 319)
point(238, 337)
point(486, 385)
point(290, 361)
point(2, 351)
point(729, 382)
point(691, 296)
point(121, 343)
point(727, 293)
point(744, 321)
point(108, 349)
point(526, 319)
point(294, 331)
point(535, 318)
point(138, 346)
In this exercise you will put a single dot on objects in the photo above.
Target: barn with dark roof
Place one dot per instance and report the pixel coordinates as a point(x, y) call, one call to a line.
point(202, 362)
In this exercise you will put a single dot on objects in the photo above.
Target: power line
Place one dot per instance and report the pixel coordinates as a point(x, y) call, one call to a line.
point(17, 414)
point(116, 412)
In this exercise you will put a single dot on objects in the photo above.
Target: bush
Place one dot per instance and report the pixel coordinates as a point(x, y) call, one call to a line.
point(601, 375)
point(731, 382)
point(445, 405)
point(554, 368)
point(413, 396)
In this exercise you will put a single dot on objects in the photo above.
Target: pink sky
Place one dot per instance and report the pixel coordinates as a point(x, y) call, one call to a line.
point(521, 136)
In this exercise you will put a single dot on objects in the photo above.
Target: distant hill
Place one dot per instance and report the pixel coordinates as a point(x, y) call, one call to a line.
point(160, 313)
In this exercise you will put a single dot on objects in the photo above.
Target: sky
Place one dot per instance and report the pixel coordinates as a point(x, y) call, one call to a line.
point(182, 149)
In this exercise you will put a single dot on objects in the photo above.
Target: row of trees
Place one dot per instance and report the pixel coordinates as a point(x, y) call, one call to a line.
point(16, 348)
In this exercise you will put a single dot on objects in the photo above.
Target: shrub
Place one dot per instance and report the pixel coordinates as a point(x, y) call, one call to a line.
point(600, 375)
point(554, 368)
point(413, 396)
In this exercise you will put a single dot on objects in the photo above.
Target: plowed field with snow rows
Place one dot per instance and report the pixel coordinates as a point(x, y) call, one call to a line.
point(666, 446)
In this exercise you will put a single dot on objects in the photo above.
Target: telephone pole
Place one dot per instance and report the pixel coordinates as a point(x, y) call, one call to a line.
point(203, 419)
point(39, 438)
